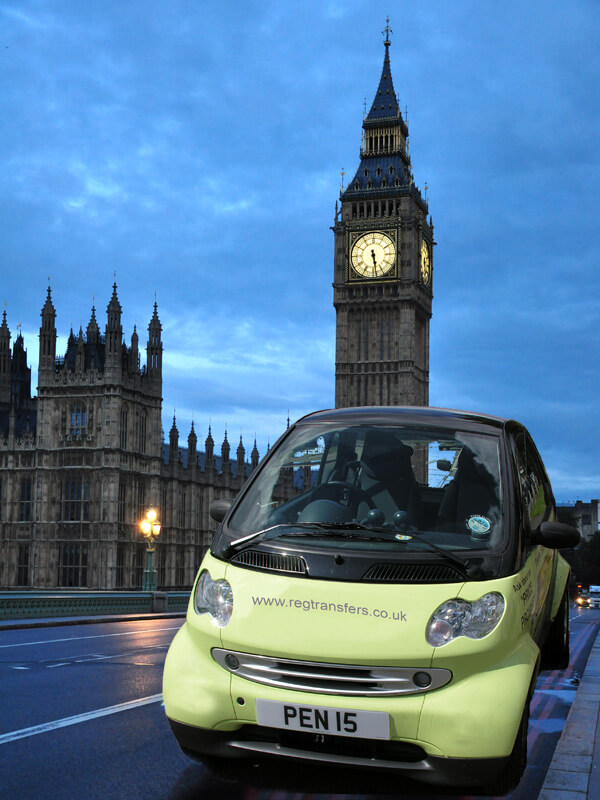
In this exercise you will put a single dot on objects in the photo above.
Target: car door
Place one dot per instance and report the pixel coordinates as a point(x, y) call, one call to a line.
point(537, 504)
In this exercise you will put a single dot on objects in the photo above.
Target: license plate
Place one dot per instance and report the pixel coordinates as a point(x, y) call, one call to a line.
point(323, 719)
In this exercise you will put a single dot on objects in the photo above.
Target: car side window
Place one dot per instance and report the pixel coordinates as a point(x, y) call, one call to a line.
point(532, 478)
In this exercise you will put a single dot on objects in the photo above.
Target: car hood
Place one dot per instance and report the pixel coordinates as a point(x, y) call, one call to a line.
point(332, 621)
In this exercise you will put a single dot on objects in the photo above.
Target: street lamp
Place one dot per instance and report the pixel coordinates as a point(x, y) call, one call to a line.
point(150, 527)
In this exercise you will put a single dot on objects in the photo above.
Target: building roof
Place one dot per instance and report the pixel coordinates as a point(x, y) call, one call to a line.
point(397, 415)
point(384, 168)
point(385, 103)
point(183, 457)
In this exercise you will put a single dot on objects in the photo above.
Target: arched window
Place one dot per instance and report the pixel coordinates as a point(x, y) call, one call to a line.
point(26, 500)
point(123, 428)
point(142, 431)
point(78, 421)
point(72, 569)
point(76, 499)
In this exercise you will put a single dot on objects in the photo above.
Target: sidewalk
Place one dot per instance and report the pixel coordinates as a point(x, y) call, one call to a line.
point(53, 622)
point(574, 773)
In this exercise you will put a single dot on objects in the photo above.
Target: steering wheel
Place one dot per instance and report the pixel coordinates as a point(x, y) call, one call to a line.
point(337, 489)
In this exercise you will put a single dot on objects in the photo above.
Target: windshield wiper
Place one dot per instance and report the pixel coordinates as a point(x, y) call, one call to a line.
point(459, 562)
point(467, 570)
point(273, 532)
point(345, 529)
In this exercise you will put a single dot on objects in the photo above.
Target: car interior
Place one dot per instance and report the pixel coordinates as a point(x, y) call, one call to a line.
point(380, 478)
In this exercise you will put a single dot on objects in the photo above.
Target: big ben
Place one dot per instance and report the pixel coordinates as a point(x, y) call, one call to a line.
point(383, 267)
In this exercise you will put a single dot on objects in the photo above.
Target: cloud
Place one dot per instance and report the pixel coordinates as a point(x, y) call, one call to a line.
point(196, 149)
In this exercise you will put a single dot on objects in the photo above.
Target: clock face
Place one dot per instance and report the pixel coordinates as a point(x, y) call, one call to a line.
point(373, 255)
point(425, 263)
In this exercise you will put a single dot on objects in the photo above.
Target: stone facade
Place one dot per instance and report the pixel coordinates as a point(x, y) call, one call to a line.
point(81, 463)
point(383, 268)
point(587, 517)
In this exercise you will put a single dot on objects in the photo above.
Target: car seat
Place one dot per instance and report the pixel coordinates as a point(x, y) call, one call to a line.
point(473, 492)
point(387, 475)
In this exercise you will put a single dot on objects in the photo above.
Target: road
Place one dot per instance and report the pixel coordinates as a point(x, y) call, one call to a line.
point(81, 717)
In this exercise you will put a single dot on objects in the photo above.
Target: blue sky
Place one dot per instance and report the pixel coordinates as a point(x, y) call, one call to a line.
point(196, 149)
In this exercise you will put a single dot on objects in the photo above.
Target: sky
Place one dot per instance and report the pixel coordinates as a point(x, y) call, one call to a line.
point(194, 150)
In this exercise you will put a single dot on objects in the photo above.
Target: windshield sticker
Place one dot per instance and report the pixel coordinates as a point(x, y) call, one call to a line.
point(402, 537)
point(479, 526)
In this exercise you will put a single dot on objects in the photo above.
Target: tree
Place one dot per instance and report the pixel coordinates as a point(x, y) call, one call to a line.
point(567, 515)
point(585, 560)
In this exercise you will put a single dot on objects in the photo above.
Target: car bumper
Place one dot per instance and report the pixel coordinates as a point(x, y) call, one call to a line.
point(256, 744)
point(461, 734)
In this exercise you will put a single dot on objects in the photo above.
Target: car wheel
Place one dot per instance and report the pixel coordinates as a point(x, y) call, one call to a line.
point(555, 652)
point(517, 761)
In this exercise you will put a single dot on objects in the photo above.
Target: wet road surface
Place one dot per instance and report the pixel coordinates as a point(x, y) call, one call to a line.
point(81, 717)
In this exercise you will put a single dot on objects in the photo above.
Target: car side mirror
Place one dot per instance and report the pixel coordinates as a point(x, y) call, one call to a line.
point(444, 465)
point(557, 535)
point(219, 508)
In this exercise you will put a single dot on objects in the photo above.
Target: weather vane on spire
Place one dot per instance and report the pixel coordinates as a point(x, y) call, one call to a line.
point(387, 30)
point(342, 173)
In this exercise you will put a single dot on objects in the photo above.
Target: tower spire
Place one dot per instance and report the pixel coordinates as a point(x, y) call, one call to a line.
point(47, 353)
point(387, 30)
point(385, 103)
point(382, 238)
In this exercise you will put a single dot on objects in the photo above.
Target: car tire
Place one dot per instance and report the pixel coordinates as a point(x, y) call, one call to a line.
point(517, 761)
point(555, 652)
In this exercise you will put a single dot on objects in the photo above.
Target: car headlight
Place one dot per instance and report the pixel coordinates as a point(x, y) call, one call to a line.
point(456, 618)
point(214, 598)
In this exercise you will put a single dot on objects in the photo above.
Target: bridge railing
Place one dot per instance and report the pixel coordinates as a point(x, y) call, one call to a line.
point(28, 605)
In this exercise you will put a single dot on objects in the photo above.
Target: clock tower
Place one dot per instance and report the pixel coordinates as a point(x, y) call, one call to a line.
point(383, 267)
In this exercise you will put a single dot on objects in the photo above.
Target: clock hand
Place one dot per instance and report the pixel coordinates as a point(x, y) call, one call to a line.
point(373, 257)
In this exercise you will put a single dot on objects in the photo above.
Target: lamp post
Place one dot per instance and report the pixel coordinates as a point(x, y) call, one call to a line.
point(150, 527)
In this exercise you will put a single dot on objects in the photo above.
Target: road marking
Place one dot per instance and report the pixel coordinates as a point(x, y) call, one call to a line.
point(63, 723)
point(79, 638)
point(93, 657)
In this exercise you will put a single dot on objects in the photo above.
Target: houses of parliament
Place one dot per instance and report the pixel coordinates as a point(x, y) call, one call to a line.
point(82, 461)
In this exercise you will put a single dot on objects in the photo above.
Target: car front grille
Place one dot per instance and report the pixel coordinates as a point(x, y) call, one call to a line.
point(324, 678)
point(397, 751)
point(273, 562)
point(412, 573)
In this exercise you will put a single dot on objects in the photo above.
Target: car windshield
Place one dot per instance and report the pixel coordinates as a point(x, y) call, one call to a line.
point(413, 483)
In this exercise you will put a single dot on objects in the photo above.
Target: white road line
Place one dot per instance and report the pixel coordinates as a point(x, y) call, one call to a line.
point(98, 636)
point(95, 657)
point(63, 723)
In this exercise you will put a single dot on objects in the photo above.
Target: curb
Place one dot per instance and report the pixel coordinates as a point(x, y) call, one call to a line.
point(574, 773)
point(53, 622)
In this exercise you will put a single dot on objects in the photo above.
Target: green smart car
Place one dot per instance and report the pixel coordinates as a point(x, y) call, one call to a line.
point(381, 595)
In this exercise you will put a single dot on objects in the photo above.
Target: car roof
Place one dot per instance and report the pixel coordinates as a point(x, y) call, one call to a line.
point(394, 415)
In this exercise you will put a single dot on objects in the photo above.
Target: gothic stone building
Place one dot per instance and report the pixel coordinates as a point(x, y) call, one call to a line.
point(81, 463)
point(383, 267)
